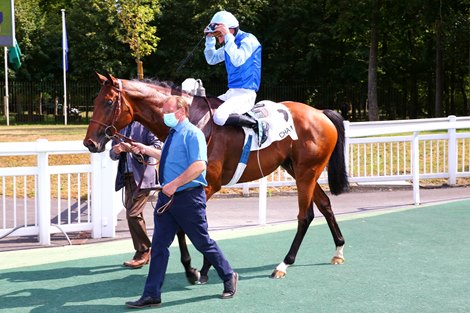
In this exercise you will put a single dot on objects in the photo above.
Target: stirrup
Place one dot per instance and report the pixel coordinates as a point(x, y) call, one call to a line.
point(262, 129)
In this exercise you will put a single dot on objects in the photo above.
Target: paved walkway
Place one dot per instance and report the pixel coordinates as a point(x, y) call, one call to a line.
point(242, 212)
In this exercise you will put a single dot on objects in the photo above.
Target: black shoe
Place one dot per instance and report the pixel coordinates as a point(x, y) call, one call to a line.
point(230, 287)
point(144, 302)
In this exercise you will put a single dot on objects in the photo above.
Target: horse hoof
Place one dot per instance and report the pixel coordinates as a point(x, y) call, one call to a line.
point(193, 276)
point(278, 274)
point(203, 279)
point(337, 260)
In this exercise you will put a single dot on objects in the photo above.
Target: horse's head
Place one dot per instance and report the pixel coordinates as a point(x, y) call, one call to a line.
point(110, 114)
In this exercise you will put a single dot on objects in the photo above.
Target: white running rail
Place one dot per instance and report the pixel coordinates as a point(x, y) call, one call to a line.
point(375, 152)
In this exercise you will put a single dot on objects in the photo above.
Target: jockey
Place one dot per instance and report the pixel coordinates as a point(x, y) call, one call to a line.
point(242, 55)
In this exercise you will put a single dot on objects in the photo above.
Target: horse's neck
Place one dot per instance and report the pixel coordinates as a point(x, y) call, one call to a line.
point(149, 115)
point(201, 108)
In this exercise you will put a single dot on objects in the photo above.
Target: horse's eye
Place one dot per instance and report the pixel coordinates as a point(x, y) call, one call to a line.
point(109, 102)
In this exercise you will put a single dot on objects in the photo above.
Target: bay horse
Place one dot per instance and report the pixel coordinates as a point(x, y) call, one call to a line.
point(320, 143)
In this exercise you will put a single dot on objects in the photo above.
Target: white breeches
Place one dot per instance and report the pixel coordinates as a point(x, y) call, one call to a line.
point(237, 100)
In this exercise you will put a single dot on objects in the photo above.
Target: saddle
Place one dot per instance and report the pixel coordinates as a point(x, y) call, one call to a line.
point(276, 121)
point(278, 124)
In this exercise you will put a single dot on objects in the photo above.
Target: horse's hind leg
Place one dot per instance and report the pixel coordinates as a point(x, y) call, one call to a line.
point(324, 206)
point(191, 273)
point(305, 217)
point(204, 272)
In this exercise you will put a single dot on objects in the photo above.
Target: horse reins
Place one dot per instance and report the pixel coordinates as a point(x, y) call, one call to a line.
point(190, 54)
point(211, 118)
point(114, 134)
point(162, 209)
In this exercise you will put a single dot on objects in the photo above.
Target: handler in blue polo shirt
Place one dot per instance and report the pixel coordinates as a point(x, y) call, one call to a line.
point(181, 203)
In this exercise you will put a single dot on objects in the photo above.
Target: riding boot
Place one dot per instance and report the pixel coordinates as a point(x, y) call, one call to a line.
point(249, 122)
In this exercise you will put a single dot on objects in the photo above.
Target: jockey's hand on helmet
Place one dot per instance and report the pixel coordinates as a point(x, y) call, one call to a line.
point(219, 30)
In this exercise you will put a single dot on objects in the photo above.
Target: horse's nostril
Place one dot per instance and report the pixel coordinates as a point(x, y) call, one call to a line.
point(90, 144)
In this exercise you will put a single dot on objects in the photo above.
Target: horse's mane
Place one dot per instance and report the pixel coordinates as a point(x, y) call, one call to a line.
point(160, 83)
point(199, 106)
point(176, 89)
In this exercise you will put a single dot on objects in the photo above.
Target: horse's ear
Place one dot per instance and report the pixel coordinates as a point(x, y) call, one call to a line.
point(101, 78)
point(112, 79)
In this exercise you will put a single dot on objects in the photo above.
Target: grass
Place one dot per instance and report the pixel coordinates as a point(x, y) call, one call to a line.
point(32, 133)
point(49, 132)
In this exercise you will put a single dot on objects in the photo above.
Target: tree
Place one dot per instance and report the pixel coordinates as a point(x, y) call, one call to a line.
point(91, 29)
point(372, 100)
point(439, 64)
point(30, 23)
point(323, 48)
point(136, 31)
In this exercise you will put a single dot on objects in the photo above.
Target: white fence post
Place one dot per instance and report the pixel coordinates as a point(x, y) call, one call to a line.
point(103, 196)
point(107, 195)
point(263, 191)
point(415, 167)
point(96, 194)
point(452, 152)
point(347, 126)
point(245, 190)
point(44, 195)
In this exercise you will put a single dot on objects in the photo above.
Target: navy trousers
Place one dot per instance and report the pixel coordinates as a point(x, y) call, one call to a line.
point(186, 212)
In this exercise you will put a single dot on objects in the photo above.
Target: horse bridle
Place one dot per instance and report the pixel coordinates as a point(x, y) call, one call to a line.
point(111, 131)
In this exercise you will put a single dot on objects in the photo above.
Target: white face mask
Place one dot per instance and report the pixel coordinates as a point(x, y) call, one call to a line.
point(170, 119)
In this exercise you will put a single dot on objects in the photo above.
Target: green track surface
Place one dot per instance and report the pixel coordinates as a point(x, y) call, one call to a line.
point(413, 260)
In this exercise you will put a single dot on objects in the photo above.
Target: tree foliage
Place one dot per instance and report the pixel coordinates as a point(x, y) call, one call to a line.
point(136, 31)
point(422, 55)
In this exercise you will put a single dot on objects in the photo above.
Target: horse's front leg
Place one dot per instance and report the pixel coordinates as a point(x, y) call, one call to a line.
point(192, 274)
point(302, 227)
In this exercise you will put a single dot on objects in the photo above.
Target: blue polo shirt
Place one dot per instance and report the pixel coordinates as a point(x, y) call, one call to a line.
point(188, 145)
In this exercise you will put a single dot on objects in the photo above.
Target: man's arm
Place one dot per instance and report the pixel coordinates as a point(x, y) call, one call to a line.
point(239, 55)
point(212, 55)
point(151, 139)
point(140, 148)
point(192, 172)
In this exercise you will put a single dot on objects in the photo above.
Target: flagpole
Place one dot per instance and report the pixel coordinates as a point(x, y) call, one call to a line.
point(64, 65)
point(7, 95)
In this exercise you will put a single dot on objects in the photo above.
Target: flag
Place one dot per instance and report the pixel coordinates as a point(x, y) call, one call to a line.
point(65, 46)
point(14, 56)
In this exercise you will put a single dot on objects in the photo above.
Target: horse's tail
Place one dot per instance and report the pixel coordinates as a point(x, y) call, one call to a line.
point(337, 173)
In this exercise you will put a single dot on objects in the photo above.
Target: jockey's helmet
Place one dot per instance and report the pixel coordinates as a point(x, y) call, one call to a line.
point(226, 18)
